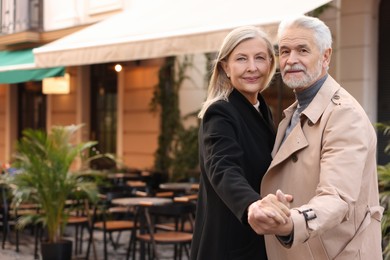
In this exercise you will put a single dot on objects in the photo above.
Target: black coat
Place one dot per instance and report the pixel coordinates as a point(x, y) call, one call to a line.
point(235, 145)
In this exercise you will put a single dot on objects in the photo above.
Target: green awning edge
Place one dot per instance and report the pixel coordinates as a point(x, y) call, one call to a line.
point(18, 66)
point(17, 57)
point(18, 76)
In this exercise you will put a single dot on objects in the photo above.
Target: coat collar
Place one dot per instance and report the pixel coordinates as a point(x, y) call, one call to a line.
point(317, 107)
point(313, 113)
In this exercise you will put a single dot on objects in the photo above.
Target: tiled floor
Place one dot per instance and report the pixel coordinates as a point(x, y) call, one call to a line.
point(26, 248)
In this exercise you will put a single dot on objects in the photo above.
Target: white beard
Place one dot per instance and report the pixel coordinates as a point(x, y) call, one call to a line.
point(306, 80)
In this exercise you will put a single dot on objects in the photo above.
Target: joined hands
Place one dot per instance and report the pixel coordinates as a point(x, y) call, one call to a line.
point(271, 215)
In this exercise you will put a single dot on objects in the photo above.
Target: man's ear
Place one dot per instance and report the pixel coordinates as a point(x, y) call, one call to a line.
point(326, 56)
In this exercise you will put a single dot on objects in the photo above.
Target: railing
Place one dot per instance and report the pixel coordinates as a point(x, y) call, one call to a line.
point(20, 16)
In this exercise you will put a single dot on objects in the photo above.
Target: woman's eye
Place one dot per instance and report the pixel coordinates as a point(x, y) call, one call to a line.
point(241, 58)
point(260, 58)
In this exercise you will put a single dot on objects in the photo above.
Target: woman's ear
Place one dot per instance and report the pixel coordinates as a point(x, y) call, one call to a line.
point(225, 68)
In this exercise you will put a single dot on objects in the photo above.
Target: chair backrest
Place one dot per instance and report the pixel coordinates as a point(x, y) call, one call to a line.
point(173, 209)
point(4, 207)
point(115, 194)
point(180, 213)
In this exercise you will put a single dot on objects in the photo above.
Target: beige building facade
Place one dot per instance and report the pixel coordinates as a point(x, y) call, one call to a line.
point(354, 23)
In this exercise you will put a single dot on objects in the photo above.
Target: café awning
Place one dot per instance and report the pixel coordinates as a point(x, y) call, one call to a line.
point(18, 66)
point(160, 28)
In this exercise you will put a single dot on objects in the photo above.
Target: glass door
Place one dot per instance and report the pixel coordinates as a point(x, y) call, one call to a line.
point(31, 106)
point(104, 107)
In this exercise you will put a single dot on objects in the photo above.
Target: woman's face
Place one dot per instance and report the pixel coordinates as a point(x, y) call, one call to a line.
point(248, 67)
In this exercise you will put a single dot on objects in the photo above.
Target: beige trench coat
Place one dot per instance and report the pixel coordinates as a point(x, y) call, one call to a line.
point(328, 163)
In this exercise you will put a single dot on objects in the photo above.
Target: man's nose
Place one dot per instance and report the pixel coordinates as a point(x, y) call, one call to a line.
point(292, 58)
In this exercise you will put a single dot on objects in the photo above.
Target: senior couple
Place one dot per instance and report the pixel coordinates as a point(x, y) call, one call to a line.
point(309, 191)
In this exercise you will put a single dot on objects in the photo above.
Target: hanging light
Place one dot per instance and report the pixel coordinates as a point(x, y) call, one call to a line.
point(118, 67)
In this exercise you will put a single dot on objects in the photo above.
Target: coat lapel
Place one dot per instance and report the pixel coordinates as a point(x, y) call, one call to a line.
point(245, 108)
point(294, 142)
point(283, 126)
point(267, 115)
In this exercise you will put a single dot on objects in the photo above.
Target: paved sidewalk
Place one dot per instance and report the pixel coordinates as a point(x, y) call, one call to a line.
point(26, 247)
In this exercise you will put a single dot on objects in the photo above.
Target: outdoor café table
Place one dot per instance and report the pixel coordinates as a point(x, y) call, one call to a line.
point(120, 175)
point(118, 178)
point(137, 201)
point(141, 205)
point(179, 186)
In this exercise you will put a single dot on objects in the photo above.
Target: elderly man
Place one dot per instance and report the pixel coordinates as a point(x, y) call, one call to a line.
point(324, 156)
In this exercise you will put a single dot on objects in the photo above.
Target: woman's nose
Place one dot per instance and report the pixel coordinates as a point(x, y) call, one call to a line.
point(251, 65)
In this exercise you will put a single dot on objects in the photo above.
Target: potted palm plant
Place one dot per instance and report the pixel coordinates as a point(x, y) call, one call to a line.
point(384, 188)
point(384, 184)
point(45, 177)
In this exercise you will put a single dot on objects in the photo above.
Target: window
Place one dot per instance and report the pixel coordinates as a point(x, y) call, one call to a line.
point(31, 106)
point(104, 107)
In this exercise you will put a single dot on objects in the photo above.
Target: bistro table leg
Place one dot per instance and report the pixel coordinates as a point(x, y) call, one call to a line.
point(133, 236)
point(142, 231)
point(151, 231)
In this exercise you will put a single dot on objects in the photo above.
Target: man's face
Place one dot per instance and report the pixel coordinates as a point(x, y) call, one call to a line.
point(301, 62)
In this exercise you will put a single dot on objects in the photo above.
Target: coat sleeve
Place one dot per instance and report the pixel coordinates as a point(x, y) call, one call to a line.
point(347, 140)
point(223, 159)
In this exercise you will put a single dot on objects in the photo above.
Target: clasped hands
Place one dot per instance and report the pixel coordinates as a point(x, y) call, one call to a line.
point(271, 214)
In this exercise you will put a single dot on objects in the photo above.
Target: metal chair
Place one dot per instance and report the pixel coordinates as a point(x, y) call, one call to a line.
point(151, 232)
point(79, 218)
point(110, 219)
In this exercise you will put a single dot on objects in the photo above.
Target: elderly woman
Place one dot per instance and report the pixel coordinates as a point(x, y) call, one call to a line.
point(236, 138)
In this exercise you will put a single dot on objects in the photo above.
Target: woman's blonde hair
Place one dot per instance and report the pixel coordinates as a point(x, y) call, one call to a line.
point(220, 85)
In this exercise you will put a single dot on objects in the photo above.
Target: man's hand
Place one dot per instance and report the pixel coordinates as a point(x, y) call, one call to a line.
point(271, 215)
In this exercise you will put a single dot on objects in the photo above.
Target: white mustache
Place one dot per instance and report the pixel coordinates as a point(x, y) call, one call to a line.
point(294, 67)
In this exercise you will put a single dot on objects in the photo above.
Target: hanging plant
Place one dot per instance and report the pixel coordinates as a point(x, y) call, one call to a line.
point(166, 99)
point(185, 152)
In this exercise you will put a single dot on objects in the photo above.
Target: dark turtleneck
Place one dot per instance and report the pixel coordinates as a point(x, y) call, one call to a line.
point(304, 98)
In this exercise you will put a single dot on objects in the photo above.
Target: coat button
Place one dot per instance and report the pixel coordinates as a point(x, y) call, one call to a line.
point(294, 158)
point(336, 100)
